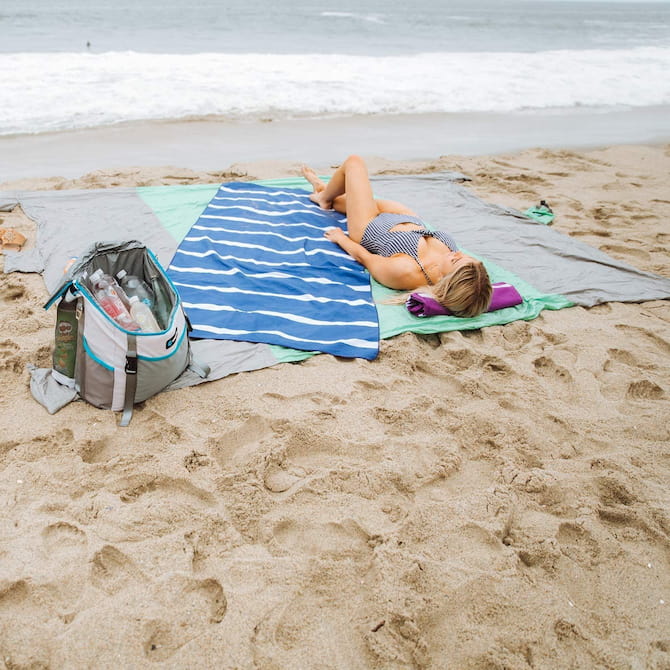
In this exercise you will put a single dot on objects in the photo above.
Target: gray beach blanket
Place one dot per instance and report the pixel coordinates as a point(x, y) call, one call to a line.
point(551, 270)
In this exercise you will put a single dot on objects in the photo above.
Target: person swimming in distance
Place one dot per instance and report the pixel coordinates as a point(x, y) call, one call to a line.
point(394, 244)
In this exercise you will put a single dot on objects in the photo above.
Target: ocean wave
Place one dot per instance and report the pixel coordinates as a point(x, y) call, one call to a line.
point(370, 18)
point(57, 91)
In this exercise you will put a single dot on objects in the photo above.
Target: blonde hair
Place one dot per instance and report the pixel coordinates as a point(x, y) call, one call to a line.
point(465, 292)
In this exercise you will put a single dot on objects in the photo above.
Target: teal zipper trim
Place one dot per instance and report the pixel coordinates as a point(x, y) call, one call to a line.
point(172, 353)
point(99, 361)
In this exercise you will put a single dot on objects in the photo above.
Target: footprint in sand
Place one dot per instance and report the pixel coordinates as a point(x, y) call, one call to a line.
point(474, 545)
point(547, 368)
point(474, 336)
point(603, 308)
point(625, 252)
point(604, 214)
point(11, 291)
point(562, 430)
point(112, 571)
point(213, 538)
point(637, 210)
point(399, 640)
point(194, 460)
point(96, 451)
point(162, 486)
point(345, 539)
point(278, 479)
point(371, 385)
point(63, 562)
point(547, 336)
point(159, 430)
point(578, 544)
point(325, 619)
point(41, 356)
point(613, 491)
point(620, 506)
point(621, 356)
point(62, 540)
point(516, 335)
point(495, 364)
point(617, 369)
point(461, 358)
point(10, 358)
point(618, 186)
point(193, 606)
point(591, 233)
point(47, 445)
point(644, 389)
point(7, 445)
point(240, 443)
point(311, 445)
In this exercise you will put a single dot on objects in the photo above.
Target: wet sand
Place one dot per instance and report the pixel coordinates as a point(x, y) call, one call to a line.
point(210, 144)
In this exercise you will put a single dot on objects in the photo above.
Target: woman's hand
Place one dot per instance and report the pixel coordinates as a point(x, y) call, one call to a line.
point(336, 235)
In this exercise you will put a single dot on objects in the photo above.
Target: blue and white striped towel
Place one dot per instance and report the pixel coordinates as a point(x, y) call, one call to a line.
point(256, 267)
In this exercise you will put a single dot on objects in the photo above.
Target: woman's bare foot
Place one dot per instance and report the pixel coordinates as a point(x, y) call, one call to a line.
point(312, 178)
point(318, 187)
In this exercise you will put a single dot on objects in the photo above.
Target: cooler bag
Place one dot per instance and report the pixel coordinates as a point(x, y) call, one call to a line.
point(116, 368)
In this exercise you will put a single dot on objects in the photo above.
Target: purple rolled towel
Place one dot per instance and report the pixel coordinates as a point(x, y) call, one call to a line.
point(504, 295)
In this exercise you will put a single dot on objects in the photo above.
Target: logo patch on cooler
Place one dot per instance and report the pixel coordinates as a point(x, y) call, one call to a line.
point(171, 341)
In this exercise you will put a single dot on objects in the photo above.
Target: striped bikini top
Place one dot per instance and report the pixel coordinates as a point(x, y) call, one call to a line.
point(378, 237)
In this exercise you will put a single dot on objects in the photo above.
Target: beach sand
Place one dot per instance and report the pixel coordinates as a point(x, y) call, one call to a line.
point(485, 499)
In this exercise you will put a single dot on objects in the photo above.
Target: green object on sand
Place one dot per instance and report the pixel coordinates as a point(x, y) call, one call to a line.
point(542, 213)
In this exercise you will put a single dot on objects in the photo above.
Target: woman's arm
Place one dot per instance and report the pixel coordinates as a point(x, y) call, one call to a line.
point(396, 272)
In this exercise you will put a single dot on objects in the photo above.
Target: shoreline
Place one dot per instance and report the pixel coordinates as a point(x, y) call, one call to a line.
point(218, 144)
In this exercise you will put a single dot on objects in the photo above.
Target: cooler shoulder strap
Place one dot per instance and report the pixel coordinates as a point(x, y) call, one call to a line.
point(131, 380)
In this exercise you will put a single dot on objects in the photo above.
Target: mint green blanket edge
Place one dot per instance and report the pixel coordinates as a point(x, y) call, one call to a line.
point(177, 207)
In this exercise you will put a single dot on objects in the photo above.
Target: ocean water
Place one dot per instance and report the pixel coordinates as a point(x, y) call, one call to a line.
point(86, 63)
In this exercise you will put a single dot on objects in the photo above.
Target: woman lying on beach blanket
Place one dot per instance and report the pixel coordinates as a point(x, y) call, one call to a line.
point(396, 247)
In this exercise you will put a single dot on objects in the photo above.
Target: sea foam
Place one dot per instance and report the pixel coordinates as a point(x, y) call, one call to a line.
point(58, 91)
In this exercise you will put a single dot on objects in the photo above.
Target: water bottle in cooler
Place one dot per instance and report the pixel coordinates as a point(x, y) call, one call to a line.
point(143, 315)
point(162, 302)
point(108, 294)
point(133, 285)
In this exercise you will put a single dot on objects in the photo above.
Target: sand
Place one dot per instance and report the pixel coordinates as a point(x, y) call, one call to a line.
point(208, 144)
point(486, 499)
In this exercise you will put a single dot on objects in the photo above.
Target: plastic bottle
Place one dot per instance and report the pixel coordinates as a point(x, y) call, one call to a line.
point(106, 292)
point(64, 355)
point(143, 315)
point(162, 303)
point(133, 285)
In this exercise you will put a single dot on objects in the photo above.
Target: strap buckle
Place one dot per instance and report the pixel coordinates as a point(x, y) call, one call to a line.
point(131, 365)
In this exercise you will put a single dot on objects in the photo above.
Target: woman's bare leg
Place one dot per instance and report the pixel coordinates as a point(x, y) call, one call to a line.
point(340, 202)
point(312, 178)
point(352, 181)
